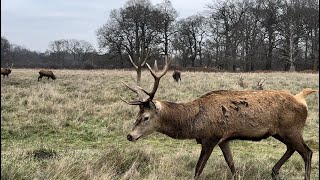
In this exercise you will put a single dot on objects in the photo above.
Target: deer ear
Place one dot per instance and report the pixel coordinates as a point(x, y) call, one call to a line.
point(157, 105)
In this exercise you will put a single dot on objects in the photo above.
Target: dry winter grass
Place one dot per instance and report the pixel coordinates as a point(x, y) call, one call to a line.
point(75, 128)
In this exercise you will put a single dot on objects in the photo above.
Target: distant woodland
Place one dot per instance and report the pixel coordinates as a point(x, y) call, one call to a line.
point(238, 35)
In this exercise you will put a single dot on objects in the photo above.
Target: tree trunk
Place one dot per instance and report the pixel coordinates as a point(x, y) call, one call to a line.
point(316, 52)
point(139, 75)
point(316, 59)
point(269, 58)
point(270, 48)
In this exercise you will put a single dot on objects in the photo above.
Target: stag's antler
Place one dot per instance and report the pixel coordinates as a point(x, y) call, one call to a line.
point(156, 78)
point(135, 91)
point(260, 83)
point(155, 85)
point(10, 66)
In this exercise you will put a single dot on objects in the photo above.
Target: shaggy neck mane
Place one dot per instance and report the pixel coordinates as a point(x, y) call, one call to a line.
point(178, 118)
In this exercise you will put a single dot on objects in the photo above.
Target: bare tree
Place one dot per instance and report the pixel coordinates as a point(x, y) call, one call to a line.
point(311, 17)
point(291, 33)
point(138, 65)
point(190, 37)
point(138, 29)
point(79, 49)
point(166, 21)
point(59, 49)
point(112, 37)
point(251, 34)
point(270, 15)
point(5, 50)
point(230, 17)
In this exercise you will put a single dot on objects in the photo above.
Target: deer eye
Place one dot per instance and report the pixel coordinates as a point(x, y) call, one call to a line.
point(146, 118)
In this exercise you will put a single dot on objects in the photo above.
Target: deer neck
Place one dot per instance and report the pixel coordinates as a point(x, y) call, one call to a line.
point(177, 119)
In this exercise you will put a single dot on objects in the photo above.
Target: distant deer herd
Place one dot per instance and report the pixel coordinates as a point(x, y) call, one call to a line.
point(220, 116)
point(176, 75)
point(46, 73)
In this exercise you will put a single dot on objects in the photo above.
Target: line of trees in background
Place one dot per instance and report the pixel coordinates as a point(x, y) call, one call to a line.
point(64, 53)
point(230, 35)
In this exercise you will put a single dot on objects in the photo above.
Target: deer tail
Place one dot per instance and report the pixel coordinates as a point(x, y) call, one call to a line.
point(303, 94)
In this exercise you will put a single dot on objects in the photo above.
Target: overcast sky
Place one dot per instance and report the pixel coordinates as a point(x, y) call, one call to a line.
point(33, 24)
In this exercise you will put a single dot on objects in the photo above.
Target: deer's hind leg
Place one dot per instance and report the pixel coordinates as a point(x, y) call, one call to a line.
point(306, 153)
point(295, 142)
point(283, 159)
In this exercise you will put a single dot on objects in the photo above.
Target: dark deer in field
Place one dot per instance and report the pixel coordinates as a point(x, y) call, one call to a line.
point(46, 73)
point(176, 75)
point(6, 71)
point(224, 115)
point(242, 83)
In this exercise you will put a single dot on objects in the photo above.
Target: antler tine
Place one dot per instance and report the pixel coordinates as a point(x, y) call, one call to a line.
point(135, 102)
point(134, 90)
point(164, 71)
point(260, 82)
point(157, 78)
point(166, 67)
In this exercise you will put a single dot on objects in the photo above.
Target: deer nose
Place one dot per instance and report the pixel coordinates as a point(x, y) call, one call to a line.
point(129, 137)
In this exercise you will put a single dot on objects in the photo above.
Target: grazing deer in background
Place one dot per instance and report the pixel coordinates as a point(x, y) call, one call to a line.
point(242, 83)
point(176, 75)
point(6, 71)
point(46, 73)
point(224, 115)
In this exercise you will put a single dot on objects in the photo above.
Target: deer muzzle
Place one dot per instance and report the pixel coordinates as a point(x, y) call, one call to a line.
point(132, 137)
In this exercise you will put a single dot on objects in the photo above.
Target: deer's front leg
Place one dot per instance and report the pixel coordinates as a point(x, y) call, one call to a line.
point(225, 148)
point(206, 150)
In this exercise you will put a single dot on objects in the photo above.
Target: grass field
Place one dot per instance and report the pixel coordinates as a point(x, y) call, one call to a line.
point(75, 128)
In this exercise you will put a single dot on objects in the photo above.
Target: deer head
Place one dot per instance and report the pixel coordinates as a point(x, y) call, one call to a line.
point(242, 83)
point(148, 118)
point(260, 84)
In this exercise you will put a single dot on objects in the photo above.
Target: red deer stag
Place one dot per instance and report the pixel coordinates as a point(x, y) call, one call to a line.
point(260, 84)
point(242, 83)
point(224, 115)
point(46, 73)
point(6, 71)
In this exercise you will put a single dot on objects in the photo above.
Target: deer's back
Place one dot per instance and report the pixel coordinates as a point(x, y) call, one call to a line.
point(249, 113)
point(46, 73)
